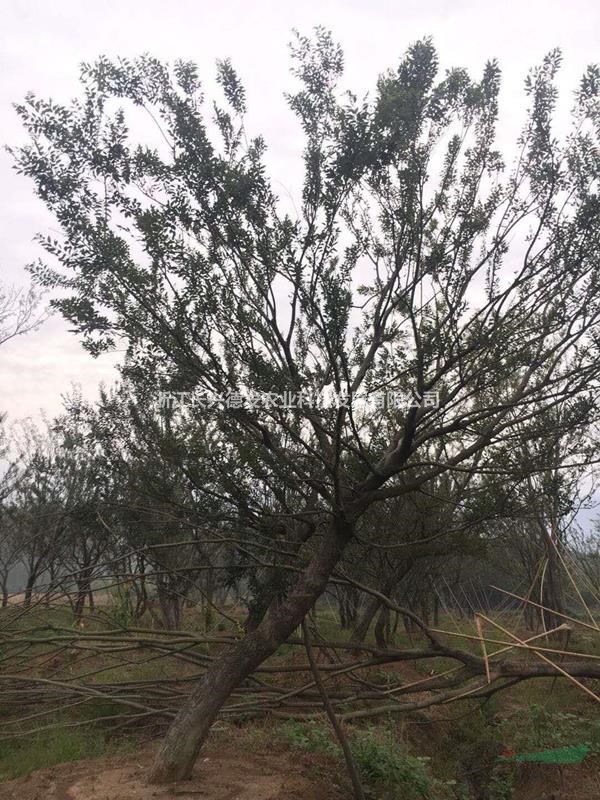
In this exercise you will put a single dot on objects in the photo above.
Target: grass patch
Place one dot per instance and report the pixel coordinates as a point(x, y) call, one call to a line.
point(21, 756)
point(71, 735)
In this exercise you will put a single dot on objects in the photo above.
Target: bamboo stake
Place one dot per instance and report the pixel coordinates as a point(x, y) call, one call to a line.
point(545, 658)
point(484, 651)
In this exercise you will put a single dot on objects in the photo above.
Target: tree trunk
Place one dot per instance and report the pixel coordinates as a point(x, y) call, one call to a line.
point(374, 604)
point(171, 605)
point(29, 589)
point(50, 586)
point(341, 608)
point(139, 587)
point(82, 591)
point(254, 617)
point(177, 755)
point(209, 600)
point(532, 618)
point(382, 628)
point(553, 595)
point(347, 597)
point(364, 623)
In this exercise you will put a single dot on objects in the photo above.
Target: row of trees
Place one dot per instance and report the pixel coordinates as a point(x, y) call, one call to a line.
point(83, 497)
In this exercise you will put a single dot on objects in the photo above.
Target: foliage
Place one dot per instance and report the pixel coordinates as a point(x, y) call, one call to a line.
point(545, 728)
point(311, 736)
point(382, 761)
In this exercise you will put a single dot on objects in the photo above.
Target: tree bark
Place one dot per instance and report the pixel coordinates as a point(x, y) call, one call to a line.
point(209, 600)
point(171, 605)
point(364, 623)
point(347, 597)
point(29, 589)
point(177, 755)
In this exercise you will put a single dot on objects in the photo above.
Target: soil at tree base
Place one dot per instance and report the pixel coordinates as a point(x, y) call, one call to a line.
point(224, 773)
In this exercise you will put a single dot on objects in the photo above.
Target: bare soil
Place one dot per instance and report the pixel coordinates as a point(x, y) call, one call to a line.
point(551, 782)
point(222, 774)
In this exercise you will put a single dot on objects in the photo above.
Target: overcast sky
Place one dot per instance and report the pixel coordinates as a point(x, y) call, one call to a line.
point(42, 44)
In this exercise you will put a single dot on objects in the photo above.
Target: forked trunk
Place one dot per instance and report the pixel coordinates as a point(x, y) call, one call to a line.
point(177, 755)
point(364, 623)
point(382, 628)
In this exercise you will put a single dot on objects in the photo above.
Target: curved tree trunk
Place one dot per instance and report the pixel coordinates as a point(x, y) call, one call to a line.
point(347, 597)
point(364, 623)
point(29, 589)
point(177, 755)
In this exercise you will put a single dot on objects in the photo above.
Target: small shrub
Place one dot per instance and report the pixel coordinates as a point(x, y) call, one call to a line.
point(501, 783)
point(473, 746)
point(120, 610)
point(387, 770)
point(383, 762)
point(311, 736)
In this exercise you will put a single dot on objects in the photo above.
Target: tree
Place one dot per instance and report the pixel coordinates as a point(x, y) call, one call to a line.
point(87, 489)
point(158, 503)
point(9, 553)
point(38, 506)
point(19, 312)
point(416, 263)
point(544, 504)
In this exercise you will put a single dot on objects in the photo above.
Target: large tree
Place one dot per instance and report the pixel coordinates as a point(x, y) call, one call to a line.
point(415, 261)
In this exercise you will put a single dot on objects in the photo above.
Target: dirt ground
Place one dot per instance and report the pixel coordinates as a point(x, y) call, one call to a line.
point(221, 774)
point(231, 773)
point(545, 782)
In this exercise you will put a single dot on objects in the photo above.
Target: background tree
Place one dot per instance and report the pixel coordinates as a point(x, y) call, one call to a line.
point(19, 312)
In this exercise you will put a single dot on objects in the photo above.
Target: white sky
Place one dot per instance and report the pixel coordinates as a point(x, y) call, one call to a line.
point(42, 44)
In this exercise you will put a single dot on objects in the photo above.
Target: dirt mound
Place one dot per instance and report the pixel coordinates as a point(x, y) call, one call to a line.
point(221, 774)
